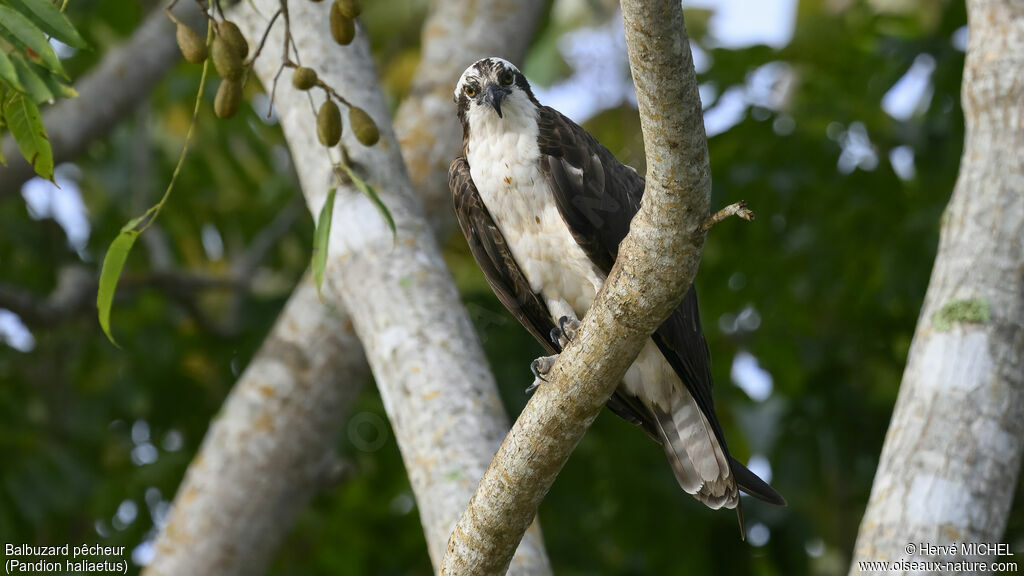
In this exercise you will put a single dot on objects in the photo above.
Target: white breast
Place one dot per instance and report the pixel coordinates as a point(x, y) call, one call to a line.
point(503, 159)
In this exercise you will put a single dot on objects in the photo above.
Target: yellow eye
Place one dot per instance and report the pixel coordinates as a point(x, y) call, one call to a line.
point(507, 78)
point(470, 91)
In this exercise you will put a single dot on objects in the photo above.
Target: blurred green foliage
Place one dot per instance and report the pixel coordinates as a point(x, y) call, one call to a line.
point(831, 276)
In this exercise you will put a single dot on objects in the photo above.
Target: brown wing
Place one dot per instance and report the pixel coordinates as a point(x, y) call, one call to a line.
point(494, 257)
point(510, 285)
point(597, 197)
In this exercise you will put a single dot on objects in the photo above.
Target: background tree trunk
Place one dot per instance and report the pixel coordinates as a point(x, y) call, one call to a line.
point(270, 449)
point(953, 451)
point(428, 127)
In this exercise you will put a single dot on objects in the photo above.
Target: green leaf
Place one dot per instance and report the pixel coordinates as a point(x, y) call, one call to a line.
point(321, 238)
point(33, 84)
point(49, 19)
point(113, 262)
point(3, 98)
point(8, 73)
point(27, 128)
point(372, 195)
point(21, 31)
point(58, 87)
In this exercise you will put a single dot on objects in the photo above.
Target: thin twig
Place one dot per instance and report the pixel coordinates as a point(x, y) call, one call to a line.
point(266, 34)
point(206, 11)
point(273, 91)
point(737, 209)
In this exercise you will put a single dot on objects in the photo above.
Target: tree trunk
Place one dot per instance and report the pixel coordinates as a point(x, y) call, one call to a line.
point(437, 389)
point(271, 448)
point(953, 451)
point(425, 126)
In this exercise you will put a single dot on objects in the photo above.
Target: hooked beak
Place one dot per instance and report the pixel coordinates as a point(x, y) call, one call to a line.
point(494, 95)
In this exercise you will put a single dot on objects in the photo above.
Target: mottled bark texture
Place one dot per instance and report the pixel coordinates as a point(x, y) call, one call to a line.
point(953, 451)
point(122, 80)
point(269, 450)
point(345, 365)
point(656, 264)
point(433, 378)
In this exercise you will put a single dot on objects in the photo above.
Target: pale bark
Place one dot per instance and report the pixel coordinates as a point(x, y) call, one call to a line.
point(345, 364)
point(269, 450)
point(122, 80)
point(436, 387)
point(953, 451)
point(656, 264)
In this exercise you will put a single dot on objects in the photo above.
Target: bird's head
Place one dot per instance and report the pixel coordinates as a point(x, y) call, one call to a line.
point(493, 86)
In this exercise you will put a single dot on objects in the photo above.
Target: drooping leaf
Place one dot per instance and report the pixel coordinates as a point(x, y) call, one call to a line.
point(8, 73)
point(22, 32)
point(31, 79)
point(58, 87)
point(117, 254)
point(50, 20)
point(113, 262)
point(26, 126)
point(370, 193)
point(322, 238)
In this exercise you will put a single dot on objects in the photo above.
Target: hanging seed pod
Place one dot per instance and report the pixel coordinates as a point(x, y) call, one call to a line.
point(363, 126)
point(192, 46)
point(233, 37)
point(343, 29)
point(226, 59)
point(328, 124)
point(229, 94)
point(350, 8)
point(304, 78)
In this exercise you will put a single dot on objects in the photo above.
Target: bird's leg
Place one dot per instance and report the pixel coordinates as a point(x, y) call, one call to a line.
point(561, 335)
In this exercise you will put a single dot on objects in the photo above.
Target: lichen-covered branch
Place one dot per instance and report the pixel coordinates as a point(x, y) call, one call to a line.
point(269, 450)
point(122, 80)
point(344, 363)
point(656, 264)
point(949, 466)
point(436, 387)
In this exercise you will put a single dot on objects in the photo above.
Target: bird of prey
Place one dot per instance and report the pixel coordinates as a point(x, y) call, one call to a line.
point(544, 206)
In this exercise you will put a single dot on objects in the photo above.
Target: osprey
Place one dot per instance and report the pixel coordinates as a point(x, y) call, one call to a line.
point(544, 206)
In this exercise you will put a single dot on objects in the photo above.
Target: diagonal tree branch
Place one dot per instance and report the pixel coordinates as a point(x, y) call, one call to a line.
point(488, 27)
point(656, 264)
point(437, 390)
point(953, 451)
point(270, 448)
point(119, 83)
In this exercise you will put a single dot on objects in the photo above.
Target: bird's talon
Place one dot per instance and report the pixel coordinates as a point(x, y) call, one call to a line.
point(540, 368)
point(569, 327)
